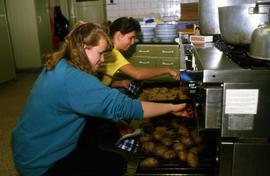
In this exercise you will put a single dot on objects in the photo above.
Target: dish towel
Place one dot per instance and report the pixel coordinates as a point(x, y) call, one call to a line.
point(130, 142)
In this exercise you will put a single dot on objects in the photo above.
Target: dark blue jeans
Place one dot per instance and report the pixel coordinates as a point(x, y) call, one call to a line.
point(89, 158)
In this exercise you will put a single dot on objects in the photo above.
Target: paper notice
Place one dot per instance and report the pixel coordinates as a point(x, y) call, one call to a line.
point(241, 101)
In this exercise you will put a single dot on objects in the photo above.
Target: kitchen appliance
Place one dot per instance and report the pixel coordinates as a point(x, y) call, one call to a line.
point(208, 14)
point(231, 91)
point(207, 162)
point(260, 42)
point(207, 157)
point(237, 22)
point(230, 94)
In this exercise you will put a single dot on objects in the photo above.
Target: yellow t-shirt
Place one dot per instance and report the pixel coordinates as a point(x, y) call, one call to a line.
point(113, 61)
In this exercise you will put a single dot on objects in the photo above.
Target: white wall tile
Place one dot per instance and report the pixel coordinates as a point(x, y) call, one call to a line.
point(143, 8)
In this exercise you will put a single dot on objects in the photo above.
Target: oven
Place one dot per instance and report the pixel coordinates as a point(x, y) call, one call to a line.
point(178, 146)
point(231, 93)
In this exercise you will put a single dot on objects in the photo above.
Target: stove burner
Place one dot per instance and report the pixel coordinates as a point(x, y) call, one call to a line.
point(239, 54)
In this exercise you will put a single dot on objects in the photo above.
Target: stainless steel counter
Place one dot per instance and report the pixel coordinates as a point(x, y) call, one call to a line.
point(217, 67)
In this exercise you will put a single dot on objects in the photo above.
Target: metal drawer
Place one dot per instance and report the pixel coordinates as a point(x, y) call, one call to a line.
point(143, 61)
point(172, 63)
point(167, 51)
point(144, 50)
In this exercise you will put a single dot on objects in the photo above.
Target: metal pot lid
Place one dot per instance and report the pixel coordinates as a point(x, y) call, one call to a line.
point(260, 42)
point(258, 57)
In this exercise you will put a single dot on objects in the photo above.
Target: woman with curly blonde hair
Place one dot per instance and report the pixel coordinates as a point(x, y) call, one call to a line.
point(64, 96)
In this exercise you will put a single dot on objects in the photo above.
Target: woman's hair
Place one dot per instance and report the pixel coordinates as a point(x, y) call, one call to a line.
point(124, 25)
point(106, 26)
point(73, 47)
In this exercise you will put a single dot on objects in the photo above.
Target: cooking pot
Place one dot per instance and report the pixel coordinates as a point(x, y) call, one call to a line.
point(237, 22)
point(260, 42)
point(208, 14)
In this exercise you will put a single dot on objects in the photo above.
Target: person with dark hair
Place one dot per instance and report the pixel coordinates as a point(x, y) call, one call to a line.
point(123, 34)
point(45, 140)
point(61, 24)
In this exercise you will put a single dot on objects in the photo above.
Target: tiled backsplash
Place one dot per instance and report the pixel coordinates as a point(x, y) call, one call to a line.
point(144, 8)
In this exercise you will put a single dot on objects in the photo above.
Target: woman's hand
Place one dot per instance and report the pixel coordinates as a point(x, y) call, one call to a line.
point(125, 83)
point(183, 110)
point(121, 84)
point(174, 74)
point(152, 109)
point(124, 128)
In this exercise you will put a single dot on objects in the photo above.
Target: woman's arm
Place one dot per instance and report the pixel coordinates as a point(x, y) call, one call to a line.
point(120, 83)
point(147, 73)
point(156, 109)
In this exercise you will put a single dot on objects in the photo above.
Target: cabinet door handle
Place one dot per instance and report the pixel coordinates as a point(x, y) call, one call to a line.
point(39, 19)
point(144, 62)
point(144, 51)
point(167, 52)
point(167, 63)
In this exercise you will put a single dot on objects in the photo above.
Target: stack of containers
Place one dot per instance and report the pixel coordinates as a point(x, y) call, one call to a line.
point(147, 34)
point(166, 33)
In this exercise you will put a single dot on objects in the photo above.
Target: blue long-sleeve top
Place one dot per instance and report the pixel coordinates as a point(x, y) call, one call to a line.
point(55, 112)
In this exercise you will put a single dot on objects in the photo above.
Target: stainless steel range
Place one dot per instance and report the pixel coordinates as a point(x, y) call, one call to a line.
point(231, 91)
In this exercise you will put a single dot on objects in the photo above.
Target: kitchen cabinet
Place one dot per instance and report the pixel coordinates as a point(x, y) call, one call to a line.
point(88, 10)
point(43, 27)
point(7, 66)
point(30, 32)
point(155, 55)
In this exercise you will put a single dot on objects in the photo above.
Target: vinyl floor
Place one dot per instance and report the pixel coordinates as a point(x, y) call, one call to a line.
point(12, 98)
